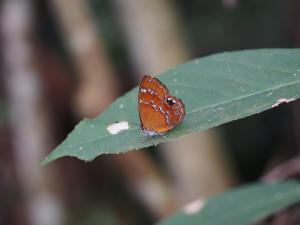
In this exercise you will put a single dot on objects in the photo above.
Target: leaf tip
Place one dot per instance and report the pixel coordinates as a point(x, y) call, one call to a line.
point(49, 158)
point(45, 161)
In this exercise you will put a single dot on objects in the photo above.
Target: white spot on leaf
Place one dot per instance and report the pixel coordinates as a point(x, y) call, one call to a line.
point(194, 207)
point(117, 127)
point(121, 106)
point(283, 100)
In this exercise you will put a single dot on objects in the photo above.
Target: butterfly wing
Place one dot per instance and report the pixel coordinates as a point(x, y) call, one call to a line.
point(157, 115)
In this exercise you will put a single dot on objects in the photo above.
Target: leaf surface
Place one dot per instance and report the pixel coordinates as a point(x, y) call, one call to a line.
point(215, 90)
point(242, 206)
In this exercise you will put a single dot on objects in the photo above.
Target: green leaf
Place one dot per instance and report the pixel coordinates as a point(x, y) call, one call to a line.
point(215, 89)
point(242, 206)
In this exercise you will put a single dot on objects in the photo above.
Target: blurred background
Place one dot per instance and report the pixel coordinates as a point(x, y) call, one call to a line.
point(62, 60)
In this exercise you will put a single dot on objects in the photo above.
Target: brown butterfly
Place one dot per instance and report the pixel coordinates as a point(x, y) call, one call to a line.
point(159, 112)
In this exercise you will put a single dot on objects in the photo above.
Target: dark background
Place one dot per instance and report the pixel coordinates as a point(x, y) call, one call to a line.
point(105, 191)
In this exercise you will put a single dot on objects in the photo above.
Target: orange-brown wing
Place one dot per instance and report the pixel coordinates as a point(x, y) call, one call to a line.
point(158, 111)
point(174, 109)
point(151, 94)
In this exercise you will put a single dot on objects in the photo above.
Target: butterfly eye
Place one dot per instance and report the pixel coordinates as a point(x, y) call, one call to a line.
point(170, 101)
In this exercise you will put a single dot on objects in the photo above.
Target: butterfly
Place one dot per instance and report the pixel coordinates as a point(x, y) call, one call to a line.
point(159, 111)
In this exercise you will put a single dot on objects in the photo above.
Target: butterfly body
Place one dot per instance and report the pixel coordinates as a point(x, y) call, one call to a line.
point(159, 111)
